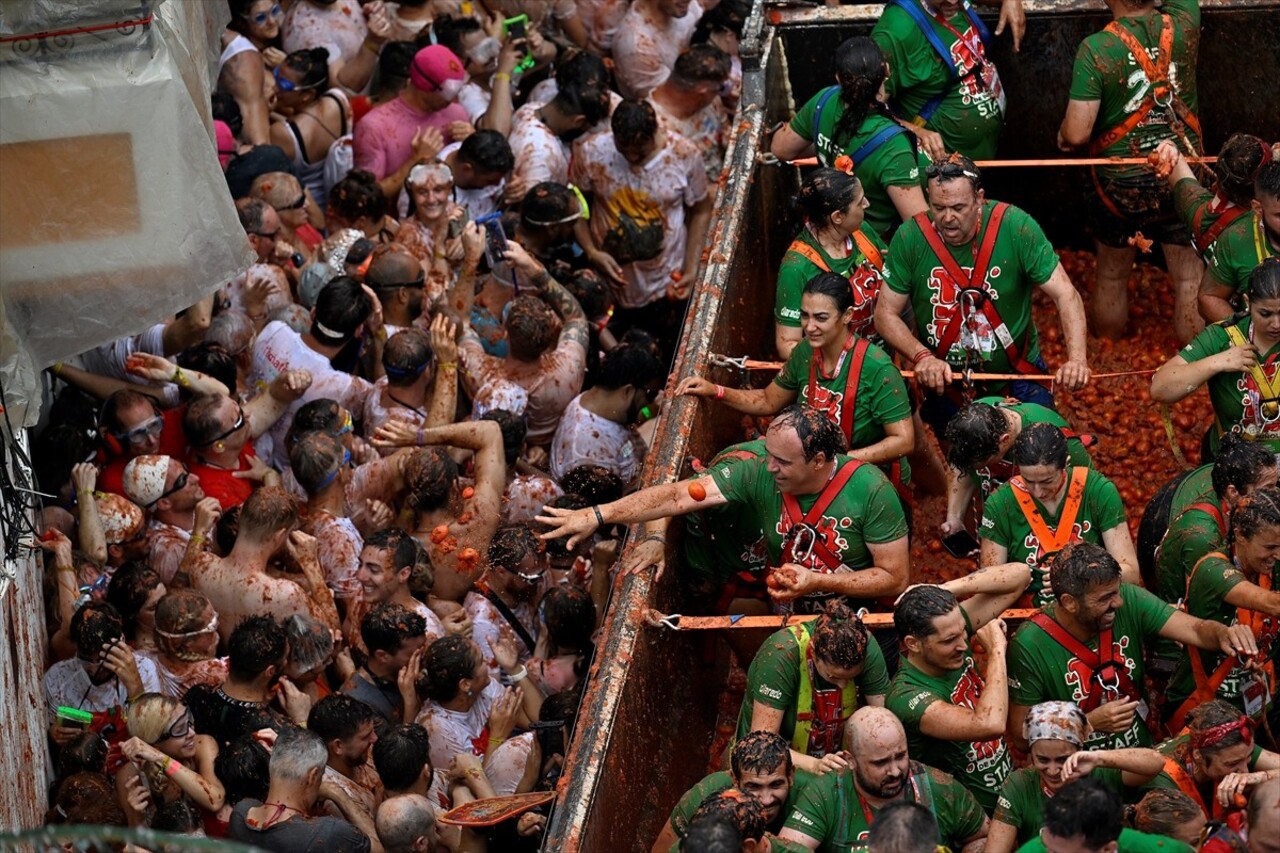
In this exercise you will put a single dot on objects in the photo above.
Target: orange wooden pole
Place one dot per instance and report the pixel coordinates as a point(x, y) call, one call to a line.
point(1063, 161)
point(871, 620)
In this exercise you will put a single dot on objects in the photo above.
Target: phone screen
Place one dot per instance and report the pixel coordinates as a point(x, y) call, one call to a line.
point(495, 243)
point(960, 544)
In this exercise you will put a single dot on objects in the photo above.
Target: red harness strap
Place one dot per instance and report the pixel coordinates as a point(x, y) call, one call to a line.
point(848, 403)
point(792, 517)
point(974, 285)
point(1108, 675)
point(1215, 512)
point(1204, 239)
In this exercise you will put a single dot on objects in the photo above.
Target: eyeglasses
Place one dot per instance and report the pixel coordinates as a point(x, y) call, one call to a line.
point(181, 727)
point(140, 434)
point(178, 485)
point(949, 170)
point(238, 424)
point(284, 84)
point(262, 17)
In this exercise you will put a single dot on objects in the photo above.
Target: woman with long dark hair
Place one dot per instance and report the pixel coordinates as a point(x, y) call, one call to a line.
point(851, 120)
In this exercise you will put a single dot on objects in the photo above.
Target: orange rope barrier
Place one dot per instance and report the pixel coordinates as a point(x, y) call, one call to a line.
point(710, 623)
point(752, 364)
point(1064, 161)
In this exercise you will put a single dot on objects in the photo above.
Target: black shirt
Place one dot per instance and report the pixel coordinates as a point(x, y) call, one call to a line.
point(297, 834)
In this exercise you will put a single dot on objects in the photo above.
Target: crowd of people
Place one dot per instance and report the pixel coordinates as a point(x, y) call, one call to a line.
point(326, 553)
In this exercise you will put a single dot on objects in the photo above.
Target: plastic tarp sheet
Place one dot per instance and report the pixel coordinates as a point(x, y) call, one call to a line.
point(114, 213)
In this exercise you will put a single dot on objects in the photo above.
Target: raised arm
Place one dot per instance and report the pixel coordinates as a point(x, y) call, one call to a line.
point(655, 502)
point(93, 540)
point(188, 328)
point(987, 719)
point(264, 410)
point(988, 592)
point(1177, 379)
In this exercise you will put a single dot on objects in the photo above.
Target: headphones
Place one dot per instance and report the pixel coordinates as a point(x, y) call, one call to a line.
point(111, 438)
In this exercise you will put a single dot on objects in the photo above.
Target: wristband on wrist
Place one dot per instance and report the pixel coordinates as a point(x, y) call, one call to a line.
point(921, 356)
point(448, 365)
point(57, 368)
point(68, 569)
point(519, 675)
point(719, 392)
point(197, 539)
point(172, 768)
point(599, 517)
point(496, 741)
point(372, 47)
point(181, 378)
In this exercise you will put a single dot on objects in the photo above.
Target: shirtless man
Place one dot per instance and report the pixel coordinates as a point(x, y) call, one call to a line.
point(455, 524)
point(239, 585)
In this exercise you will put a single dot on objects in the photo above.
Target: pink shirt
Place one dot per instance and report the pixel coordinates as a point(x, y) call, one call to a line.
point(384, 137)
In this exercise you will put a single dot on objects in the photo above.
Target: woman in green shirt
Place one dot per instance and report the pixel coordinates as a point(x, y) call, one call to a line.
point(852, 119)
point(1056, 732)
point(838, 373)
point(1239, 359)
point(833, 239)
point(1047, 505)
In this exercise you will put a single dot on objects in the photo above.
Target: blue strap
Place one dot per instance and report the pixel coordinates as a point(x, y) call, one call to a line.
point(923, 20)
point(823, 96)
point(883, 136)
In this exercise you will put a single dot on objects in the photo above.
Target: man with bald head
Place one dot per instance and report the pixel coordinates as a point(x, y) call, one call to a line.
point(407, 824)
point(397, 277)
point(835, 812)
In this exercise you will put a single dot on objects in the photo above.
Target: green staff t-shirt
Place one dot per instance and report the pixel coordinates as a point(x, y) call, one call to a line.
point(1236, 398)
point(1021, 801)
point(797, 271)
point(722, 781)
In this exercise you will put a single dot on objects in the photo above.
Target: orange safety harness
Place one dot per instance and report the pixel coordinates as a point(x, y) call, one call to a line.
point(1160, 93)
point(1207, 684)
point(863, 325)
point(1052, 540)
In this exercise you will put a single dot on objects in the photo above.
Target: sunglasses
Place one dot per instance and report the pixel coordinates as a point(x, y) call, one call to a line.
point(139, 434)
point(296, 205)
point(949, 170)
point(181, 727)
point(178, 485)
point(273, 235)
point(238, 424)
point(262, 17)
point(284, 84)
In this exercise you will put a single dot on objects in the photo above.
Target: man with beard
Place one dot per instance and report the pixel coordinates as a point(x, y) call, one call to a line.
point(835, 813)
point(1087, 646)
point(347, 726)
point(393, 638)
point(954, 718)
point(397, 277)
point(165, 488)
point(1244, 244)
point(598, 426)
point(511, 595)
point(833, 524)
point(759, 766)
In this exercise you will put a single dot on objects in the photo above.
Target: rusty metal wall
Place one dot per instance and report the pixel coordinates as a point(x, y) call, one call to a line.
point(1238, 73)
point(24, 758)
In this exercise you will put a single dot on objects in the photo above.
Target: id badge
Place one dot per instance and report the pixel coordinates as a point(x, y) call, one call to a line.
point(1255, 695)
point(1143, 710)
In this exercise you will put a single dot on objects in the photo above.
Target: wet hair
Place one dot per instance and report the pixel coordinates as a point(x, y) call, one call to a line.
point(256, 644)
point(487, 152)
point(859, 69)
point(556, 548)
point(634, 123)
point(211, 359)
point(571, 621)
point(57, 450)
point(313, 66)
point(423, 575)
point(446, 662)
point(582, 68)
point(713, 833)
point(742, 810)
point(1040, 444)
point(318, 414)
point(94, 626)
point(1162, 812)
point(242, 767)
point(512, 544)
point(359, 252)
point(917, 608)
point(88, 751)
point(562, 706)
point(839, 637)
point(227, 109)
point(833, 286)
point(200, 422)
point(1086, 807)
point(728, 16)
point(310, 641)
point(532, 328)
point(1213, 714)
point(430, 474)
point(180, 611)
point(1267, 181)
point(1254, 513)
point(1239, 160)
point(1264, 281)
point(127, 592)
point(818, 433)
point(120, 401)
point(386, 627)
point(405, 357)
point(589, 288)
point(315, 459)
point(701, 63)
point(394, 63)
point(593, 483)
point(632, 365)
point(227, 529)
point(760, 752)
point(588, 100)
point(547, 203)
point(973, 435)
point(85, 798)
point(1080, 566)
point(448, 31)
point(339, 716)
point(341, 307)
point(1240, 463)
point(954, 167)
point(268, 510)
point(358, 195)
point(178, 816)
point(903, 827)
point(400, 755)
point(401, 545)
point(824, 193)
point(514, 429)
point(230, 329)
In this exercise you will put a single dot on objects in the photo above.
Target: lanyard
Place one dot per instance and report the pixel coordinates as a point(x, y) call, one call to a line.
point(817, 356)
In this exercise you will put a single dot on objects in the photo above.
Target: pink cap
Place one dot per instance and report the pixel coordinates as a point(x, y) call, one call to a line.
point(432, 66)
point(226, 142)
